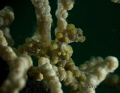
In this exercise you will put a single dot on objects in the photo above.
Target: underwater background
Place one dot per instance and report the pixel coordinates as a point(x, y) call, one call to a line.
point(99, 20)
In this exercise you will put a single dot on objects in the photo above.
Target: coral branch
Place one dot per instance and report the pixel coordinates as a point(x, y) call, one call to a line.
point(55, 64)
point(44, 21)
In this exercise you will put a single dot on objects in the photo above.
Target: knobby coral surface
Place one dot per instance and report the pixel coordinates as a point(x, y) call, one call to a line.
point(55, 65)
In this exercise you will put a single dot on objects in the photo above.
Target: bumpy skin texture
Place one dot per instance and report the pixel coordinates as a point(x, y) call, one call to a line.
point(55, 65)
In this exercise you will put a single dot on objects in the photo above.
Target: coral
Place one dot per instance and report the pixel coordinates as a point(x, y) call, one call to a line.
point(55, 63)
point(116, 1)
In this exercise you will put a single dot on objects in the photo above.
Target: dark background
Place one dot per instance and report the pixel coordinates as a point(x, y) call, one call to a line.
point(99, 19)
